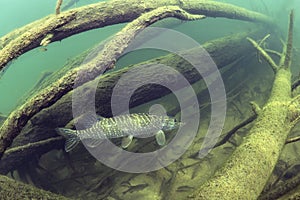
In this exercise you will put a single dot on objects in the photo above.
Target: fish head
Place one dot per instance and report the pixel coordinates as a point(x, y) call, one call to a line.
point(171, 123)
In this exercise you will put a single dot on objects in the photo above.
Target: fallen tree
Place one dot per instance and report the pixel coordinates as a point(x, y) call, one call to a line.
point(60, 114)
point(246, 172)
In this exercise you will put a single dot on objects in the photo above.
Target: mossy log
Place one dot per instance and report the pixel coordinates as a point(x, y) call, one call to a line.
point(11, 189)
point(246, 172)
point(60, 113)
point(57, 27)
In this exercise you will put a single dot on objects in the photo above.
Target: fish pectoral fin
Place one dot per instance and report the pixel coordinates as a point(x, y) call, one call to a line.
point(92, 143)
point(160, 138)
point(126, 141)
point(71, 138)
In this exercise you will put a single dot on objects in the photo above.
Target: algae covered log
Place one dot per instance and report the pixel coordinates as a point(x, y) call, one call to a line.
point(107, 13)
point(11, 189)
point(60, 113)
point(246, 172)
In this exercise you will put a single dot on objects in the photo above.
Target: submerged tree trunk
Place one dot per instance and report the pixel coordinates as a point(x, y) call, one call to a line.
point(247, 171)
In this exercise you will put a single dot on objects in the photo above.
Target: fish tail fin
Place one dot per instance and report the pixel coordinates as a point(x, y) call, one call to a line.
point(71, 138)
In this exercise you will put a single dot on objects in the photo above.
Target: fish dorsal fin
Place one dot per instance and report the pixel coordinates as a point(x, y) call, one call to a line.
point(126, 141)
point(160, 138)
point(87, 120)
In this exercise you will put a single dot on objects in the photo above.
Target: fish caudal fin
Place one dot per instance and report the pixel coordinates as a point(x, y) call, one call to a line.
point(71, 138)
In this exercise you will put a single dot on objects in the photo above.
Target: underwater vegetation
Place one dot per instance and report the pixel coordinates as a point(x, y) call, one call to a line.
point(145, 138)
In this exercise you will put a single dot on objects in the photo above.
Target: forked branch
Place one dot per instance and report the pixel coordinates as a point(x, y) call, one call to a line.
point(264, 54)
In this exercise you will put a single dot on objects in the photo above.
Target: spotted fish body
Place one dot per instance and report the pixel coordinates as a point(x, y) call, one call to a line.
point(130, 125)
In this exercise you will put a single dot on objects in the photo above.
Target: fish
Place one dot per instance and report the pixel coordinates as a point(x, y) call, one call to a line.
point(124, 126)
point(135, 188)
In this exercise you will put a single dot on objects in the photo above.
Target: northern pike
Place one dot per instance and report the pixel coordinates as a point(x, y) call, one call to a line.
point(128, 126)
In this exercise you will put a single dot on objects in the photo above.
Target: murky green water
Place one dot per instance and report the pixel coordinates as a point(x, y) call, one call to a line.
point(79, 175)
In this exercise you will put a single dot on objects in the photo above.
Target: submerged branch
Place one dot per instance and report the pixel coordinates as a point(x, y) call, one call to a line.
point(31, 38)
point(265, 55)
point(291, 140)
point(57, 8)
point(289, 46)
point(235, 129)
point(104, 14)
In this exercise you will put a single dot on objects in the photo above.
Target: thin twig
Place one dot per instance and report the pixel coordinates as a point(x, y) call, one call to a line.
point(235, 129)
point(291, 140)
point(276, 53)
point(264, 39)
point(264, 55)
point(295, 84)
point(57, 8)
